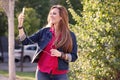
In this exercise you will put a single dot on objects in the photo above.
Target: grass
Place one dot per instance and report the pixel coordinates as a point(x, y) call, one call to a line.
point(21, 75)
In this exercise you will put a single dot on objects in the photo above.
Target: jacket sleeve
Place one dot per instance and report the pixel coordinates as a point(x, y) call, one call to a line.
point(33, 38)
point(73, 55)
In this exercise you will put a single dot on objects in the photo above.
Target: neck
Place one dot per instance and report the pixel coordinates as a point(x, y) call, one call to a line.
point(56, 29)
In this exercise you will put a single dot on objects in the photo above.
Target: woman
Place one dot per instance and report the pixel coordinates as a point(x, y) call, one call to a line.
point(57, 45)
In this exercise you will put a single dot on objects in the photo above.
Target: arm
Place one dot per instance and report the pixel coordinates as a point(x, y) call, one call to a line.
point(73, 55)
point(22, 36)
point(70, 57)
point(20, 27)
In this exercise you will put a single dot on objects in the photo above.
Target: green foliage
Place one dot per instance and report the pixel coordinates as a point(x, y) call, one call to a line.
point(98, 36)
point(97, 29)
point(40, 6)
point(31, 23)
point(3, 23)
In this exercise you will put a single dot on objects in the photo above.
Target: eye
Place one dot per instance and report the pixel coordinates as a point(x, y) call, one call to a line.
point(54, 13)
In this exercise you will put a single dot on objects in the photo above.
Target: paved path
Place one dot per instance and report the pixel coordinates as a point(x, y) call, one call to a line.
point(27, 67)
point(3, 77)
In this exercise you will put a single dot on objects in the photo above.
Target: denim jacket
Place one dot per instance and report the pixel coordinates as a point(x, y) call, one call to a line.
point(42, 38)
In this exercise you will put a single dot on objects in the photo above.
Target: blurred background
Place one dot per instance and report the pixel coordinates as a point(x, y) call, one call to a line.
point(96, 24)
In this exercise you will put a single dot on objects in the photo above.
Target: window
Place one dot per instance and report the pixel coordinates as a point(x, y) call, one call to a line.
point(32, 48)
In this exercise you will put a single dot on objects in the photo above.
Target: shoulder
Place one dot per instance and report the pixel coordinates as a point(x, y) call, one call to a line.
point(72, 34)
point(44, 29)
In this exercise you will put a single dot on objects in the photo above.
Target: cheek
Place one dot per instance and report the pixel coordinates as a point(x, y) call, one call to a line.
point(54, 19)
point(59, 19)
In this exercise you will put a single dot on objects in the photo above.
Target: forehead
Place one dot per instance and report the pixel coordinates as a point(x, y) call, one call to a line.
point(54, 10)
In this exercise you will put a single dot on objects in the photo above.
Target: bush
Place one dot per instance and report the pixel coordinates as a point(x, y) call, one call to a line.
point(98, 36)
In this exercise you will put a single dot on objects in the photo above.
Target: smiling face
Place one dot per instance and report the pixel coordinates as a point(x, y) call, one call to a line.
point(54, 16)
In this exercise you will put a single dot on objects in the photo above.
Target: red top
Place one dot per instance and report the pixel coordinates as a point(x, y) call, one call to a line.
point(48, 63)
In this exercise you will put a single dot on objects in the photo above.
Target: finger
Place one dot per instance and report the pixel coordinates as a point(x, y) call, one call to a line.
point(20, 16)
point(52, 54)
point(20, 19)
point(52, 50)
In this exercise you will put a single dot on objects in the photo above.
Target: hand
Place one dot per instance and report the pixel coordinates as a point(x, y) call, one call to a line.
point(20, 19)
point(55, 52)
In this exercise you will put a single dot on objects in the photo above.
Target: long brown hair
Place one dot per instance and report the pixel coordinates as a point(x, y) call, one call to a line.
point(65, 41)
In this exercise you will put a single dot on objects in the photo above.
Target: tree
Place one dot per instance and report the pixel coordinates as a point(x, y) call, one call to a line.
point(53, 2)
point(3, 23)
point(8, 7)
point(98, 35)
point(3, 28)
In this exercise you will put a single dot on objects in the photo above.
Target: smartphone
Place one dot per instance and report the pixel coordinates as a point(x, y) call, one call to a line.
point(23, 10)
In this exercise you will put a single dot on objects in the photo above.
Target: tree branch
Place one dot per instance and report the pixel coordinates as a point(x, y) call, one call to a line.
point(5, 5)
